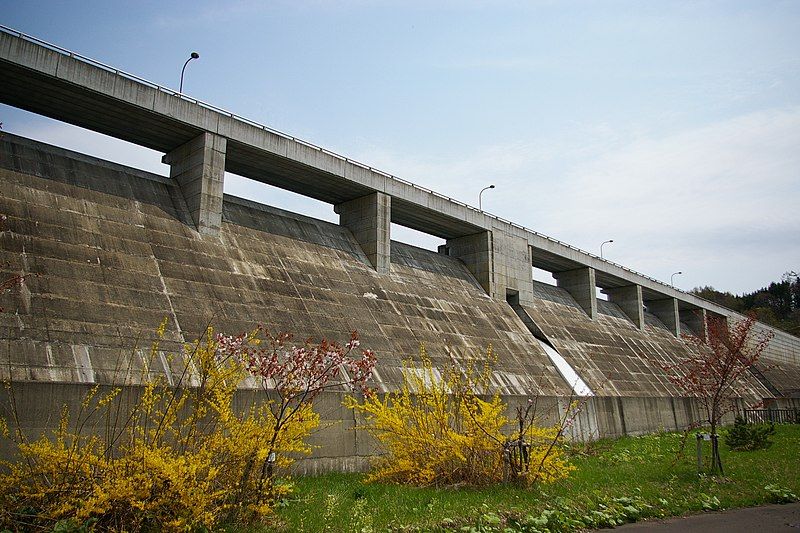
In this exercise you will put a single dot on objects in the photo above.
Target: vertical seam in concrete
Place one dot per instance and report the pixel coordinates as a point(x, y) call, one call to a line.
point(169, 300)
point(674, 414)
point(83, 363)
point(161, 277)
point(25, 270)
point(103, 272)
point(493, 277)
point(622, 416)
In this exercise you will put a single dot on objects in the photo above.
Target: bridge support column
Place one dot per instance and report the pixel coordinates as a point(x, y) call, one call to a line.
point(501, 263)
point(580, 283)
point(696, 320)
point(667, 311)
point(199, 168)
point(369, 219)
point(629, 299)
point(476, 253)
point(513, 270)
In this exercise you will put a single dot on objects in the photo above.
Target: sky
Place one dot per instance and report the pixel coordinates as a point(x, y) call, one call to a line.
point(671, 127)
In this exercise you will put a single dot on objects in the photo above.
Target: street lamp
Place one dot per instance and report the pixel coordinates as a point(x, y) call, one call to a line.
point(672, 278)
point(601, 246)
point(194, 55)
point(479, 196)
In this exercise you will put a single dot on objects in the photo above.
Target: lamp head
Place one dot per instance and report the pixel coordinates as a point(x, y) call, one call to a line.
point(491, 186)
point(195, 55)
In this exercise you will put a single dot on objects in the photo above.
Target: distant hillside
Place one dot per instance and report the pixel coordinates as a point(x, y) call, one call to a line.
point(778, 304)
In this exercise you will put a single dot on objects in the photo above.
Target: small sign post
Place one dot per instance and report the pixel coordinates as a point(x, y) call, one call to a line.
point(700, 438)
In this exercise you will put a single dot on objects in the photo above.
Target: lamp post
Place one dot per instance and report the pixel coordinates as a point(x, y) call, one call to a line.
point(480, 194)
point(601, 246)
point(672, 278)
point(194, 55)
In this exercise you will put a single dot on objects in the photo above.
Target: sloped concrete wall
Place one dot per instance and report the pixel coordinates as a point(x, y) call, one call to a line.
point(109, 252)
point(780, 363)
point(612, 355)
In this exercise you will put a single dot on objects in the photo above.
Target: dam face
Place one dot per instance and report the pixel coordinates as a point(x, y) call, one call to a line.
point(108, 252)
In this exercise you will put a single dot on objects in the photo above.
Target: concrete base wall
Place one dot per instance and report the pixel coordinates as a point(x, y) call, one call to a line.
point(339, 444)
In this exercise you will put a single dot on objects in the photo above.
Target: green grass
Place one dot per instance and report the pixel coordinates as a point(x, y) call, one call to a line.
point(616, 481)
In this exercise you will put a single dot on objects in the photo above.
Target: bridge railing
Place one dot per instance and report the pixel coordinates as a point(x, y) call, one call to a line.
point(254, 124)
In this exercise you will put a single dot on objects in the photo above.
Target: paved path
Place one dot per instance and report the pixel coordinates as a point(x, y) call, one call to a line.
point(765, 519)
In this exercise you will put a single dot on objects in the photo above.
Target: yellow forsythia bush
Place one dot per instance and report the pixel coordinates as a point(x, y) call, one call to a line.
point(437, 430)
point(171, 458)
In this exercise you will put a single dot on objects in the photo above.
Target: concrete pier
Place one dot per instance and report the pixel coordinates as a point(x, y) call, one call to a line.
point(580, 283)
point(476, 253)
point(696, 320)
point(513, 271)
point(666, 310)
point(198, 167)
point(629, 299)
point(369, 219)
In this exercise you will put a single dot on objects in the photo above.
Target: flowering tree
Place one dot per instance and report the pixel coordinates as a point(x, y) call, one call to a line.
point(721, 360)
point(296, 375)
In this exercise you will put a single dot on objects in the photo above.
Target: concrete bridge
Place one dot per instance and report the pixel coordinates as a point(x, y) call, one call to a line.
point(113, 249)
point(201, 142)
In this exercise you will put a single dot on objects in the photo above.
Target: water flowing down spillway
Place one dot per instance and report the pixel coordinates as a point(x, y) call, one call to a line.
point(578, 385)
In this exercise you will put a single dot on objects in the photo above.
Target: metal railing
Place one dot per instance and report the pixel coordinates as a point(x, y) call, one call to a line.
point(776, 416)
point(254, 124)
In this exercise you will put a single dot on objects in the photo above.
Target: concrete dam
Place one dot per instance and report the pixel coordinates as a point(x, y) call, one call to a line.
point(108, 251)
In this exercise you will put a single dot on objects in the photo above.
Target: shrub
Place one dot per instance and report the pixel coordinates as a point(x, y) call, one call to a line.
point(173, 457)
point(743, 436)
point(436, 429)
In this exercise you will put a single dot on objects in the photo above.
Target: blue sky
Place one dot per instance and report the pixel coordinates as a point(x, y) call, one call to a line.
point(671, 127)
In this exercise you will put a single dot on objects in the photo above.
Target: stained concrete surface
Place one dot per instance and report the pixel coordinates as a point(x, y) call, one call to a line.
point(109, 256)
point(110, 251)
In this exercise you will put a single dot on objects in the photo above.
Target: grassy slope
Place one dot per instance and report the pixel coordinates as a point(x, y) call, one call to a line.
point(642, 468)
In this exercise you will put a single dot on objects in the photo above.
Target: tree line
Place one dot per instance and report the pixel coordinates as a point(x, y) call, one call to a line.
point(777, 304)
